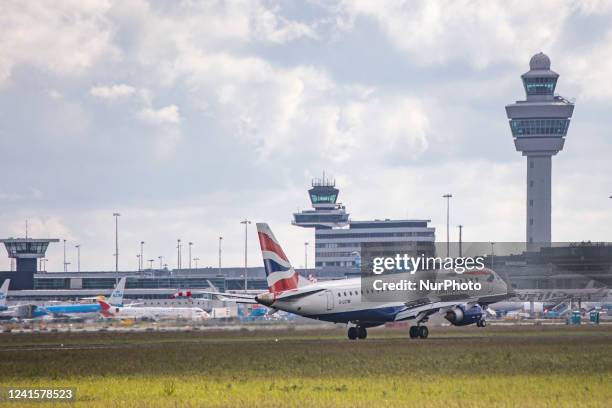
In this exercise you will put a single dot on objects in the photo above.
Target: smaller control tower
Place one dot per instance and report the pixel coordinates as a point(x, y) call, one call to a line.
point(26, 251)
point(327, 213)
point(539, 125)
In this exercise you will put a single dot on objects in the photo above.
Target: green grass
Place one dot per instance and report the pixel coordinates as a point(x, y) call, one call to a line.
point(456, 367)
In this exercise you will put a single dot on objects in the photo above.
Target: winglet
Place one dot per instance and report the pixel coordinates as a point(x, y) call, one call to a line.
point(4, 292)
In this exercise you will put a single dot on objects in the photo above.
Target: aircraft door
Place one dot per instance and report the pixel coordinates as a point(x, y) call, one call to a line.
point(330, 299)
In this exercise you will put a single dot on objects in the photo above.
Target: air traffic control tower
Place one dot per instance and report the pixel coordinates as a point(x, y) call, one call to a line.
point(326, 213)
point(26, 251)
point(539, 125)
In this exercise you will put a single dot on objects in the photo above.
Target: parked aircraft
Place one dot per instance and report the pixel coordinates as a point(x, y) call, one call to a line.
point(66, 310)
point(133, 311)
point(344, 301)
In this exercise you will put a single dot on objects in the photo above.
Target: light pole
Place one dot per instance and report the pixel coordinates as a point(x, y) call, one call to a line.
point(219, 271)
point(448, 197)
point(151, 263)
point(141, 265)
point(178, 254)
point(190, 245)
point(139, 257)
point(196, 259)
point(460, 241)
point(246, 226)
point(161, 262)
point(116, 215)
point(492, 254)
point(65, 269)
point(78, 248)
point(306, 256)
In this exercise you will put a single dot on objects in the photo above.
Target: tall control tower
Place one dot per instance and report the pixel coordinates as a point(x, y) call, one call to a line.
point(327, 213)
point(539, 125)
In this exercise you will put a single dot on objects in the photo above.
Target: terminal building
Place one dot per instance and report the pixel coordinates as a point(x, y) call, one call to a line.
point(339, 241)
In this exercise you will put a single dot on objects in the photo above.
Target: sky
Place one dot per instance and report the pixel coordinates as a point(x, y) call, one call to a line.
point(187, 117)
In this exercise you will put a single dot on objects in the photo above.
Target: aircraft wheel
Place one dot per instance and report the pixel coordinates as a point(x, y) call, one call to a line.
point(414, 332)
point(352, 333)
point(482, 323)
point(362, 333)
point(423, 332)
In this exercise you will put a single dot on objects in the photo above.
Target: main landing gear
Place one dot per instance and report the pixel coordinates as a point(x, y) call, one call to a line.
point(418, 332)
point(357, 332)
point(481, 323)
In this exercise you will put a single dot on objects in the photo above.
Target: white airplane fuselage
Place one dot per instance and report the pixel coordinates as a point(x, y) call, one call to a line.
point(344, 301)
point(158, 313)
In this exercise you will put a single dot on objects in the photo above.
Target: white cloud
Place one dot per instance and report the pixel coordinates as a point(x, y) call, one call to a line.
point(166, 115)
point(65, 38)
point(112, 91)
point(269, 26)
point(478, 33)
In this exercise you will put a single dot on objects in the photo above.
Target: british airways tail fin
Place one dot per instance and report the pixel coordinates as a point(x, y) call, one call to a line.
point(116, 298)
point(280, 274)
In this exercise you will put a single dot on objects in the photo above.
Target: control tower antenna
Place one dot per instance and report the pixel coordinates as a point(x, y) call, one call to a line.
point(539, 125)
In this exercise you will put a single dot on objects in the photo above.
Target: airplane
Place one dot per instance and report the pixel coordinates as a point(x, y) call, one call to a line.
point(151, 312)
point(35, 311)
point(4, 294)
point(343, 301)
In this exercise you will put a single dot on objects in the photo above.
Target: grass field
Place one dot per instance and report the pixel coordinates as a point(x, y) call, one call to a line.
point(456, 367)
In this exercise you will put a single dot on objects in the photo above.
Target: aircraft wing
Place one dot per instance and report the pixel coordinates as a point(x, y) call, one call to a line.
point(229, 297)
point(426, 307)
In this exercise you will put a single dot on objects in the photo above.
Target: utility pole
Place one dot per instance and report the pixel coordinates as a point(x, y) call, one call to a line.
point(78, 248)
point(219, 271)
point(65, 268)
point(190, 245)
point(246, 225)
point(460, 241)
point(448, 197)
point(141, 265)
point(116, 215)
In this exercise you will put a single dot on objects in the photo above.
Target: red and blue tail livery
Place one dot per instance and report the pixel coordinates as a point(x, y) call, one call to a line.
point(280, 274)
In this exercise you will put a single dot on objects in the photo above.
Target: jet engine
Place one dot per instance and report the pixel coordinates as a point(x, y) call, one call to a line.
point(462, 316)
